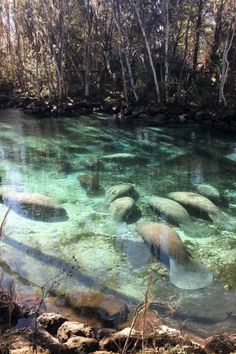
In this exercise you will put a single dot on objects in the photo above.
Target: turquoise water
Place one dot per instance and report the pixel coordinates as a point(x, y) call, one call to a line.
point(89, 250)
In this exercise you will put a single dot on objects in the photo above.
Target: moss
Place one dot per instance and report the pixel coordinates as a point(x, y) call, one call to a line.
point(228, 273)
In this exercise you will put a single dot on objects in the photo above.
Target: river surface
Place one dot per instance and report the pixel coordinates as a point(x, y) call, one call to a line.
point(89, 251)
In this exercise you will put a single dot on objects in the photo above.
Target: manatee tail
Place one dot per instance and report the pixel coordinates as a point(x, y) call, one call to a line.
point(194, 230)
point(190, 276)
point(223, 221)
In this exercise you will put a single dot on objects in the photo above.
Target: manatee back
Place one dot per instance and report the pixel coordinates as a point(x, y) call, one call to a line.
point(165, 239)
point(194, 201)
point(174, 211)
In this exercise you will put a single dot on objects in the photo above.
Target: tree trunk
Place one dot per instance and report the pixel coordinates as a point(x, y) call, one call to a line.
point(148, 50)
point(183, 65)
point(116, 13)
point(166, 60)
point(198, 29)
point(225, 61)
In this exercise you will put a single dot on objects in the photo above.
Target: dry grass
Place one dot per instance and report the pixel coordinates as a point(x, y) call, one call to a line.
point(3, 223)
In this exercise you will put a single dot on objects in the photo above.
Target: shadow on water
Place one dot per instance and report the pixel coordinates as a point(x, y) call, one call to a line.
point(67, 267)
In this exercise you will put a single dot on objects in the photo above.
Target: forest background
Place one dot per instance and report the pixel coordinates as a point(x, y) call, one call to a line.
point(132, 51)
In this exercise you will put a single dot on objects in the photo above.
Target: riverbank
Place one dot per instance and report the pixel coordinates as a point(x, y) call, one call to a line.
point(148, 113)
point(55, 333)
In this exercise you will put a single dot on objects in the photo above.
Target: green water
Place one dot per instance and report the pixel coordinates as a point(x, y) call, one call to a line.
point(88, 251)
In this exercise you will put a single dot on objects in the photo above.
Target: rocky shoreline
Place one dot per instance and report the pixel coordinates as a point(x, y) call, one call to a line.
point(148, 113)
point(55, 333)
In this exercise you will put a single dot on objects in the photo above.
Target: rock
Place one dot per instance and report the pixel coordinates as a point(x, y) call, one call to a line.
point(26, 341)
point(79, 149)
point(92, 164)
point(159, 118)
point(120, 190)
point(165, 243)
point(201, 116)
point(4, 99)
point(222, 344)
point(81, 345)
point(51, 322)
point(105, 332)
point(108, 308)
point(35, 206)
point(9, 311)
point(102, 352)
point(91, 184)
point(124, 209)
point(71, 328)
point(116, 342)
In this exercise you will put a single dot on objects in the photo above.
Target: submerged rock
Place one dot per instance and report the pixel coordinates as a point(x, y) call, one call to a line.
point(110, 309)
point(165, 243)
point(35, 206)
point(51, 322)
point(92, 164)
point(176, 214)
point(124, 209)
point(91, 184)
point(119, 191)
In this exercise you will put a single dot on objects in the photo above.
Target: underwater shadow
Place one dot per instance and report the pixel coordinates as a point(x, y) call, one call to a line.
point(68, 267)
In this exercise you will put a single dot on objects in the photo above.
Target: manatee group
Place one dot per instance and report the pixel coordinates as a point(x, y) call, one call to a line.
point(124, 210)
point(120, 190)
point(196, 203)
point(121, 198)
point(165, 243)
point(176, 214)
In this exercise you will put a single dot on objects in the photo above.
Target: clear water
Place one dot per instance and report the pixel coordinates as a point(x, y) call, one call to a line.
point(88, 252)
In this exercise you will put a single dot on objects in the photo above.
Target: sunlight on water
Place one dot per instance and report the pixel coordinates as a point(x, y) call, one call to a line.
point(74, 162)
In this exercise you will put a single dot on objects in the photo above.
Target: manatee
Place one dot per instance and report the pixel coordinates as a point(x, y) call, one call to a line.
point(184, 272)
point(35, 206)
point(201, 205)
point(212, 193)
point(124, 209)
point(120, 190)
point(176, 214)
point(209, 191)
